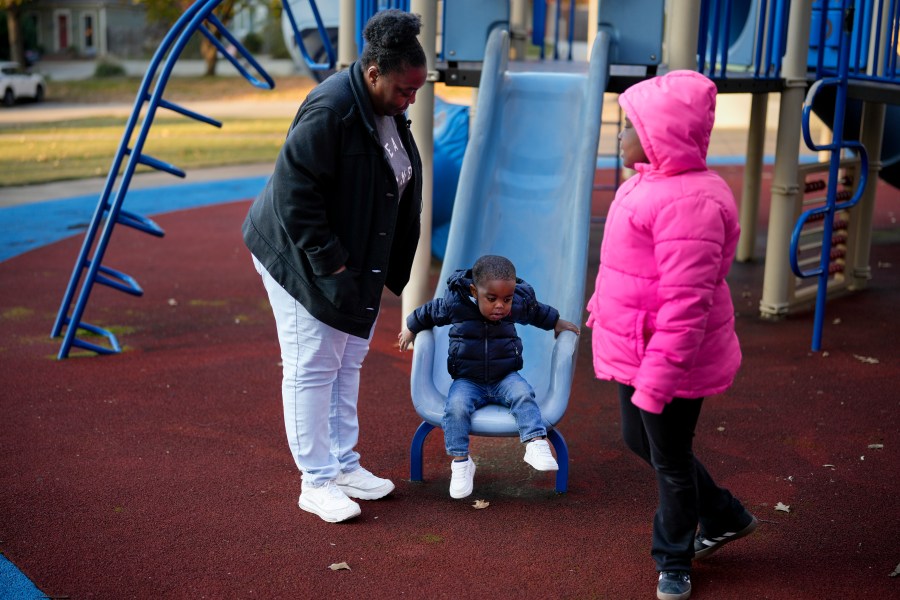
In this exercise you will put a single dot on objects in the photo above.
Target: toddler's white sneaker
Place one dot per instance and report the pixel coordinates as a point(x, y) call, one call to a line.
point(538, 455)
point(462, 478)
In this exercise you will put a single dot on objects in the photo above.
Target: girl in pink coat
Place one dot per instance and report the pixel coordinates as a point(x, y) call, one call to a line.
point(661, 312)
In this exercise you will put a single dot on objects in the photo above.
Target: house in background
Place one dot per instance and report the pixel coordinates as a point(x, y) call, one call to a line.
point(87, 28)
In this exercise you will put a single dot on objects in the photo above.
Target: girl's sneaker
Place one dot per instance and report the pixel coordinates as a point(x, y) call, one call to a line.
point(674, 585)
point(705, 545)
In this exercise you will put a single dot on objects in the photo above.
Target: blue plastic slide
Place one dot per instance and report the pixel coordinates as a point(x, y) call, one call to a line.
point(525, 193)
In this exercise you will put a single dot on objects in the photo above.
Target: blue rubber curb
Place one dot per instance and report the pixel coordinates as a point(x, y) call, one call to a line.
point(14, 585)
point(28, 226)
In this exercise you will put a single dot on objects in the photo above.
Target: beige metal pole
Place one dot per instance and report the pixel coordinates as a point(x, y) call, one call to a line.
point(778, 280)
point(593, 25)
point(518, 27)
point(347, 51)
point(858, 253)
point(756, 139)
point(681, 34)
point(419, 289)
point(871, 135)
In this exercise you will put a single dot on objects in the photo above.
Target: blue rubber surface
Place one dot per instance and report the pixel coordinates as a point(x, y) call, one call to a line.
point(29, 226)
point(14, 585)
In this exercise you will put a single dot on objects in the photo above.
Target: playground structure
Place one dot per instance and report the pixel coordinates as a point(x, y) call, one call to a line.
point(848, 46)
point(517, 172)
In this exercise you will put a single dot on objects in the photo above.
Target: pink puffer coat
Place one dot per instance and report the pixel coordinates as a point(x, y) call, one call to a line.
point(661, 313)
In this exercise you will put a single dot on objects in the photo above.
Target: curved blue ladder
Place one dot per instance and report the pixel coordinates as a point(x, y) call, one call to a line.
point(832, 206)
point(199, 17)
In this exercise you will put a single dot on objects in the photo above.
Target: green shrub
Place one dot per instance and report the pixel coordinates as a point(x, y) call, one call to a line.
point(253, 42)
point(107, 68)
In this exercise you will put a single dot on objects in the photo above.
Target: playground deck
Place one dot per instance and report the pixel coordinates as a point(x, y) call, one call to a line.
point(163, 472)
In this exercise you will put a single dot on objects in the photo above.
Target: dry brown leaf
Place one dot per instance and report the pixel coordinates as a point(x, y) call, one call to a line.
point(341, 566)
point(783, 507)
point(481, 504)
point(866, 359)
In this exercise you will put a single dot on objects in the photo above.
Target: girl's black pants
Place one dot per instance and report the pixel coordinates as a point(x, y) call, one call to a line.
point(687, 493)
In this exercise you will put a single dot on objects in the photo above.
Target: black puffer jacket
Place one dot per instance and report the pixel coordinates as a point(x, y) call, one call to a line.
point(481, 350)
point(332, 201)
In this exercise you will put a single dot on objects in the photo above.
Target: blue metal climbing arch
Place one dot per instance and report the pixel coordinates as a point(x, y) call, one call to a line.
point(89, 268)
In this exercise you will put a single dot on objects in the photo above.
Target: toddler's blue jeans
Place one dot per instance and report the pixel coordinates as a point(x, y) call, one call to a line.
point(466, 396)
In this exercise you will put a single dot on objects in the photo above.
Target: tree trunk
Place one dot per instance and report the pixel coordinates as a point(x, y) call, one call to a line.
point(210, 56)
point(16, 39)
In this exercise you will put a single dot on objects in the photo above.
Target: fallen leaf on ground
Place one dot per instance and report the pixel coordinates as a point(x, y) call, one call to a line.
point(896, 571)
point(783, 507)
point(481, 504)
point(341, 566)
point(866, 359)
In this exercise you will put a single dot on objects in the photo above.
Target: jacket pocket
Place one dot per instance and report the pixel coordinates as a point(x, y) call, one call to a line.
point(341, 290)
point(642, 333)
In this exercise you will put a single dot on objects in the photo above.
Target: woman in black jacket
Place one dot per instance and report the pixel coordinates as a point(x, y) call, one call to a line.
point(338, 221)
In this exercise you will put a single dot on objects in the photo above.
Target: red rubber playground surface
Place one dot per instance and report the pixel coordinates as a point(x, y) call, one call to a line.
point(163, 471)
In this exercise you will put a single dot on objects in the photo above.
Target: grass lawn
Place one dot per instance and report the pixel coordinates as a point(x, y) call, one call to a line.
point(43, 152)
point(34, 153)
point(78, 149)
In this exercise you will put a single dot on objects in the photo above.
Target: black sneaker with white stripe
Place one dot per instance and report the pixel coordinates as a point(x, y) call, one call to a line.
point(674, 585)
point(706, 545)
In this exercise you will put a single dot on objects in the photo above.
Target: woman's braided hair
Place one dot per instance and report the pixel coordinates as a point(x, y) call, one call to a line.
point(391, 42)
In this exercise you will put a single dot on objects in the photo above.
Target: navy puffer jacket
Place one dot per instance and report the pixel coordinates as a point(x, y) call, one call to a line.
point(481, 350)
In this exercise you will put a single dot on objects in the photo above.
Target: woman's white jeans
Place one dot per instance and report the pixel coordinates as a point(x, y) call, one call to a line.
point(320, 388)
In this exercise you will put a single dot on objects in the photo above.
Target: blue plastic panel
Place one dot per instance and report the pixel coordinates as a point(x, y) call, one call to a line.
point(468, 25)
point(636, 27)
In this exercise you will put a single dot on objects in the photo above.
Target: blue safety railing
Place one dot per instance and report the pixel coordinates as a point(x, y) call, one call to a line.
point(715, 33)
point(539, 27)
point(366, 8)
point(89, 269)
point(873, 29)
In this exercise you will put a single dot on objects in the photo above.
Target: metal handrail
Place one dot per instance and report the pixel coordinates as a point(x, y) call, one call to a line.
point(827, 212)
point(323, 33)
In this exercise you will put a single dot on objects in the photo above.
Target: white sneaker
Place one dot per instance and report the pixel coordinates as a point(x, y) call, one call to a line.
point(363, 485)
point(462, 478)
point(537, 454)
point(329, 502)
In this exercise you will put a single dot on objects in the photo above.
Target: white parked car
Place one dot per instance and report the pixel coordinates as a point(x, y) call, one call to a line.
point(16, 83)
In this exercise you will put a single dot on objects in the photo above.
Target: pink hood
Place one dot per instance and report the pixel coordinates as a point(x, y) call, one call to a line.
point(661, 313)
point(673, 116)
